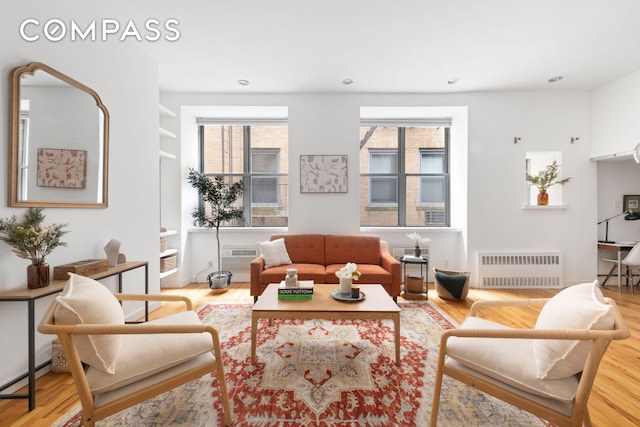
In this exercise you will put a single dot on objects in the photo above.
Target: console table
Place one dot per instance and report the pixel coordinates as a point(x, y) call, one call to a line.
point(31, 295)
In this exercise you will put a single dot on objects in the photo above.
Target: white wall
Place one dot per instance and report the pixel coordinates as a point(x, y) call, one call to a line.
point(488, 205)
point(616, 131)
point(616, 116)
point(127, 84)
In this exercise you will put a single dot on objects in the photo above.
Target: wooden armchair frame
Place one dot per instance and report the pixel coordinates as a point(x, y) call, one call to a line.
point(134, 393)
point(579, 414)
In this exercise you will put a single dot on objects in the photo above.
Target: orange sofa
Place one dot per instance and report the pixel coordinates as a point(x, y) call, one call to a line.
point(317, 257)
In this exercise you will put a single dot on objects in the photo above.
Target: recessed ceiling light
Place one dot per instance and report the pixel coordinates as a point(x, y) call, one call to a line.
point(555, 79)
point(453, 80)
point(347, 82)
point(243, 82)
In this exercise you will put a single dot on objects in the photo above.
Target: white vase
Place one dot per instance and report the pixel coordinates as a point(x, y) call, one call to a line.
point(345, 286)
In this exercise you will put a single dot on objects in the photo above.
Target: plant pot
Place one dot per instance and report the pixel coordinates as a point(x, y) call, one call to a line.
point(345, 286)
point(219, 279)
point(543, 198)
point(416, 251)
point(37, 274)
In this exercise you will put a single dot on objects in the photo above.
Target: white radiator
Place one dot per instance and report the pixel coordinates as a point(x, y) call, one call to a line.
point(520, 270)
point(237, 260)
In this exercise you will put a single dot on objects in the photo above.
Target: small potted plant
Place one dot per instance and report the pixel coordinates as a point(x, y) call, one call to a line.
point(30, 239)
point(545, 179)
point(220, 198)
point(417, 240)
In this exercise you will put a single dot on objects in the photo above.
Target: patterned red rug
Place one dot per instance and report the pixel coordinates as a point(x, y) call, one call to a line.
point(323, 373)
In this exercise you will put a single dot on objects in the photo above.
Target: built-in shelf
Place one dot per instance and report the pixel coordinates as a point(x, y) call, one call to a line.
point(164, 274)
point(164, 111)
point(545, 208)
point(168, 252)
point(167, 133)
point(168, 257)
point(168, 155)
point(166, 233)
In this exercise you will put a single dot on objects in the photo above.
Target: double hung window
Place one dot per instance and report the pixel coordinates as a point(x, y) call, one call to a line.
point(404, 175)
point(256, 154)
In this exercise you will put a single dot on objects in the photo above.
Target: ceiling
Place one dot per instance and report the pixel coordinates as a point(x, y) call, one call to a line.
point(385, 46)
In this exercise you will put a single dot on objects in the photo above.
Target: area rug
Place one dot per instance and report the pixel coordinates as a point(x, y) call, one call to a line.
point(321, 373)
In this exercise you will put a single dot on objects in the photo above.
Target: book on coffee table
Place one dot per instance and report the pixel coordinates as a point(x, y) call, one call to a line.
point(304, 291)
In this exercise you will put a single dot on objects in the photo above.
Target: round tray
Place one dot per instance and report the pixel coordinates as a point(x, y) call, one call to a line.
point(336, 294)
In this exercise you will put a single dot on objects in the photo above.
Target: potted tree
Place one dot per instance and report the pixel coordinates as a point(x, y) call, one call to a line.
point(219, 207)
point(545, 179)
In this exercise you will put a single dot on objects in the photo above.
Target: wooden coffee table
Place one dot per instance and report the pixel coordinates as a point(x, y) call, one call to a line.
point(377, 305)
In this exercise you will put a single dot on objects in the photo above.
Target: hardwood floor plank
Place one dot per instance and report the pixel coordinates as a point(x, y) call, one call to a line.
point(614, 400)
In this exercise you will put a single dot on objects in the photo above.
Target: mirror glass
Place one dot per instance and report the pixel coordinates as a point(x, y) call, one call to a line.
point(59, 141)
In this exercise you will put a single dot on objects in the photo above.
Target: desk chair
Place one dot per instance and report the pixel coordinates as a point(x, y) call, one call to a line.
point(548, 370)
point(129, 363)
point(630, 263)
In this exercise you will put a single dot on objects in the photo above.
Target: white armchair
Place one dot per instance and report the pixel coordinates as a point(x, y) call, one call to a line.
point(548, 370)
point(129, 363)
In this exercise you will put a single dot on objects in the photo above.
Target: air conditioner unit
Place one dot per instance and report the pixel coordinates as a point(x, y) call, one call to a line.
point(237, 260)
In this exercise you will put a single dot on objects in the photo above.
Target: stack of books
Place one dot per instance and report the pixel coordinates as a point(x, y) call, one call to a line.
point(304, 291)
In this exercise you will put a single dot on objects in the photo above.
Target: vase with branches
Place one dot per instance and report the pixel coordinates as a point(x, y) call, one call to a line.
point(544, 179)
point(219, 207)
point(30, 239)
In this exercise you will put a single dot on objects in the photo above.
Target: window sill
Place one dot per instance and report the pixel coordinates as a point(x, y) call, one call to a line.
point(545, 208)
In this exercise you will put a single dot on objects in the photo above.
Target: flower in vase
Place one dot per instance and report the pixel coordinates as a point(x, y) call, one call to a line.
point(417, 239)
point(29, 238)
point(349, 271)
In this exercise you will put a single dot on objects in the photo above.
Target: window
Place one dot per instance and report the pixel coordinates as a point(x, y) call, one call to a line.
point(404, 175)
point(265, 189)
point(257, 154)
point(383, 188)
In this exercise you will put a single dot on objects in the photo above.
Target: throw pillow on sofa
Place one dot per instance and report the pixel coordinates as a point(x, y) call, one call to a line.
point(274, 253)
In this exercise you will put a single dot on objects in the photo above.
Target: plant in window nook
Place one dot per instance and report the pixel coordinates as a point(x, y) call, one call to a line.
point(219, 207)
point(545, 179)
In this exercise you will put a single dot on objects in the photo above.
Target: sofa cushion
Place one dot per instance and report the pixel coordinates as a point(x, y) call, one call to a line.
point(576, 307)
point(368, 274)
point(304, 248)
point(313, 272)
point(143, 355)
point(341, 249)
point(86, 301)
point(274, 253)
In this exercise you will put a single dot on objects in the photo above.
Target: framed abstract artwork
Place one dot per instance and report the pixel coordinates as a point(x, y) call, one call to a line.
point(62, 168)
point(631, 203)
point(323, 173)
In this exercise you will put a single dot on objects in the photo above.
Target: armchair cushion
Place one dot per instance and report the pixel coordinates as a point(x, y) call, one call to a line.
point(274, 253)
point(507, 360)
point(143, 355)
point(563, 358)
point(77, 305)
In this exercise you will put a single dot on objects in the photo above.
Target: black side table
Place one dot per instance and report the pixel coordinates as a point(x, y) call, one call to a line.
point(424, 275)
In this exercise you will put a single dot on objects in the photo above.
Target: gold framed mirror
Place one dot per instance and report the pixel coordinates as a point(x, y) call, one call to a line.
point(59, 148)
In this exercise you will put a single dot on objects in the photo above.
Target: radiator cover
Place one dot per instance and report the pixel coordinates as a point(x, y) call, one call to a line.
point(520, 270)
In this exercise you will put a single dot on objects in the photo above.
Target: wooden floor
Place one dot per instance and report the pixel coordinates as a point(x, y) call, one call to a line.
point(615, 400)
